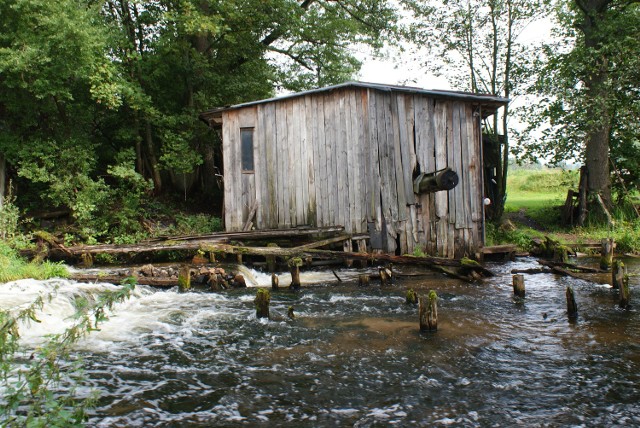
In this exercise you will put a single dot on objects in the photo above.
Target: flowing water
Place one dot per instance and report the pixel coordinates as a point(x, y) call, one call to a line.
point(355, 357)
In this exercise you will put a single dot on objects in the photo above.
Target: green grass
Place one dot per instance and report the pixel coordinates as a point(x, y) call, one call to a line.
point(538, 189)
point(12, 267)
point(541, 193)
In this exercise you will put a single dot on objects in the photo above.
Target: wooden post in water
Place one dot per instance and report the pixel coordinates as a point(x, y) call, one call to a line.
point(572, 306)
point(271, 259)
point(294, 267)
point(618, 272)
point(263, 297)
point(606, 254)
point(290, 313)
point(363, 280)
point(347, 246)
point(624, 290)
point(184, 278)
point(518, 286)
point(275, 281)
point(412, 297)
point(386, 275)
point(428, 312)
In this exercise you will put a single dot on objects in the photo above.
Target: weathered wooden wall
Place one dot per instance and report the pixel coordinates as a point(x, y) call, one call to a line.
point(348, 157)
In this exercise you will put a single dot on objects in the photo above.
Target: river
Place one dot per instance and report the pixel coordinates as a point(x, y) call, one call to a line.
point(354, 356)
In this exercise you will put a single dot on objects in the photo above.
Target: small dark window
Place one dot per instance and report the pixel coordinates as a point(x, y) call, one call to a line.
point(246, 138)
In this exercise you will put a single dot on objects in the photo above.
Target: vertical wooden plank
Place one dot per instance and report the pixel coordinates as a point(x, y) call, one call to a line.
point(396, 156)
point(332, 170)
point(228, 126)
point(300, 162)
point(341, 158)
point(360, 224)
point(291, 179)
point(312, 158)
point(348, 148)
point(406, 146)
point(456, 203)
point(283, 165)
point(259, 159)
point(441, 198)
point(270, 204)
point(387, 170)
point(478, 224)
point(475, 195)
point(465, 217)
point(374, 211)
point(322, 199)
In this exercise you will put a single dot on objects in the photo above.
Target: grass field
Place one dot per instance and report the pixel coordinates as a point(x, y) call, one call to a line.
point(538, 189)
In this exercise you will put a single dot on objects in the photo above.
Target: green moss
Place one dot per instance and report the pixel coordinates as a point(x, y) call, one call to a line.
point(295, 261)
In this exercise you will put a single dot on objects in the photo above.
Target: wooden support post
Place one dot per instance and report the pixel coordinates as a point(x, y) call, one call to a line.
point(275, 281)
point(348, 248)
point(184, 278)
point(294, 267)
point(428, 311)
point(412, 297)
point(560, 253)
point(290, 313)
point(624, 291)
point(87, 260)
point(572, 306)
point(362, 248)
point(212, 257)
point(606, 254)
point(618, 272)
point(239, 258)
point(518, 286)
point(386, 275)
point(263, 297)
point(363, 280)
point(271, 259)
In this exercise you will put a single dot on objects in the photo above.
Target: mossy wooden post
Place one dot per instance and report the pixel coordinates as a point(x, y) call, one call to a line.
point(184, 278)
point(412, 297)
point(428, 311)
point(624, 291)
point(618, 272)
point(263, 298)
point(606, 254)
point(572, 306)
point(290, 313)
point(363, 280)
point(87, 260)
point(518, 286)
point(271, 259)
point(275, 282)
point(294, 267)
point(560, 253)
point(386, 275)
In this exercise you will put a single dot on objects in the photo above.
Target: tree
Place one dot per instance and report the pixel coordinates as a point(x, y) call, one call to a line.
point(588, 88)
point(183, 57)
point(475, 44)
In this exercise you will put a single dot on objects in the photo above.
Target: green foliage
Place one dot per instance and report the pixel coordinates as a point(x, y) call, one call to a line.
point(12, 267)
point(9, 219)
point(43, 390)
point(196, 224)
point(587, 84)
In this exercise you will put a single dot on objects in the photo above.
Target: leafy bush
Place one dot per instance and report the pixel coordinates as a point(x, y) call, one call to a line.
point(196, 224)
point(12, 267)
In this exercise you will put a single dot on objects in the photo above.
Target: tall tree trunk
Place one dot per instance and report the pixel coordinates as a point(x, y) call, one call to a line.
point(151, 155)
point(597, 94)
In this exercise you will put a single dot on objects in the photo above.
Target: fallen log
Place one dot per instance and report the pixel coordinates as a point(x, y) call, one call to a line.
point(575, 268)
point(117, 279)
point(429, 262)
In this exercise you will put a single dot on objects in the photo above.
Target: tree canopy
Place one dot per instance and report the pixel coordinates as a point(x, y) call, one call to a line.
point(100, 96)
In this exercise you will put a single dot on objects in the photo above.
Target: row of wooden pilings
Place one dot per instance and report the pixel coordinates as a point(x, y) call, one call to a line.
point(619, 281)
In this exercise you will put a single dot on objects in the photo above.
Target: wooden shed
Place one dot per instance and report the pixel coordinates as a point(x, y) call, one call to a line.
point(355, 155)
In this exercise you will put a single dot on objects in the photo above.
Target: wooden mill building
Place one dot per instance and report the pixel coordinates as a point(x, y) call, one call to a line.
point(355, 155)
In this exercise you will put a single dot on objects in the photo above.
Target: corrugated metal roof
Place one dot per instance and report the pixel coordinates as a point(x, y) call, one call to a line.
point(490, 101)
